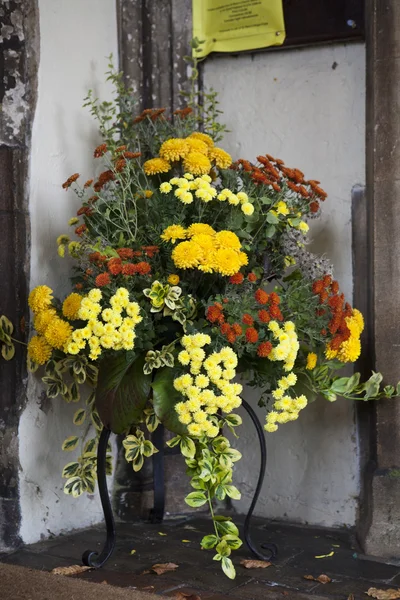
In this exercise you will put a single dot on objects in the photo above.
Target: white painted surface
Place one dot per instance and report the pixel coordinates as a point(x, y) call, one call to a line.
point(307, 108)
point(76, 38)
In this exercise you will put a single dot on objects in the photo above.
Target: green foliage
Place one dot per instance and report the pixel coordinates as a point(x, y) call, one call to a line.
point(164, 399)
point(137, 448)
point(122, 391)
point(6, 340)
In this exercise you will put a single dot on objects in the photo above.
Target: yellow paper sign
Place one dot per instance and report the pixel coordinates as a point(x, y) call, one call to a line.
point(234, 25)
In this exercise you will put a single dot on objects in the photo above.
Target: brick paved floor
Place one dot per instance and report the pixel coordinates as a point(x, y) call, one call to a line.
point(350, 571)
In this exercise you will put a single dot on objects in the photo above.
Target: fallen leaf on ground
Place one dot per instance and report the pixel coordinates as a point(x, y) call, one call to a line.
point(161, 568)
point(186, 541)
point(384, 594)
point(350, 597)
point(161, 533)
point(72, 570)
point(325, 555)
point(104, 582)
point(147, 588)
point(133, 551)
point(255, 564)
point(183, 596)
point(335, 546)
point(320, 578)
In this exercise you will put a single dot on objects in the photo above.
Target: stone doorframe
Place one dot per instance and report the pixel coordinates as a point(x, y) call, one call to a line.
point(153, 37)
point(19, 55)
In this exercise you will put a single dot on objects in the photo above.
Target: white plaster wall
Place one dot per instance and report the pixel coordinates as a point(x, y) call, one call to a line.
point(306, 107)
point(76, 37)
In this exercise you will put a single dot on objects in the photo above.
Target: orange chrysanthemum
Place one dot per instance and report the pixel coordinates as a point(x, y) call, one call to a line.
point(100, 151)
point(125, 253)
point(114, 266)
point(252, 277)
point(143, 268)
point(264, 349)
point(251, 335)
point(67, 184)
point(247, 319)
point(102, 279)
point(237, 329)
point(237, 278)
point(261, 296)
point(129, 269)
point(264, 316)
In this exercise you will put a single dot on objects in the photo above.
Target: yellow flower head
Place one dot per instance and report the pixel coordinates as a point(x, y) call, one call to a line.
point(242, 197)
point(349, 350)
point(203, 137)
point(311, 361)
point(154, 166)
point(222, 159)
point(247, 208)
point(173, 233)
point(281, 208)
point(197, 145)
point(187, 255)
point(174, 149)
point(302, 226)
point(58, 333)
point(39, 350)
point(95, 295)
point(197, 163)
point(206, 242)
point(71, 306)
point(43, 318)
point(227, 239)
point(165, 187)
point(173, 279)
point(40, 298)
point(228, 261)
point(200, 228)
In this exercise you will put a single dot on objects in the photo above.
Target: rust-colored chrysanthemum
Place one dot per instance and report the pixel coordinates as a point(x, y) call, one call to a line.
point(237, 329)
point(264, 316)
point(264, 349)
point(67, 184)
point(129, 269)
point(114, 266)
point(143, 268)
point(252, 277)
point(102, 279)
point(81, 229)
point(100, 151)
point(247, 319)
point(261, 296)
point(237, 278)
point(125, 253)
point(251, 335)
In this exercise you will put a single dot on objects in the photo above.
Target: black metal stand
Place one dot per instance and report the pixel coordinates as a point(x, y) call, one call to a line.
point(90, 558)
point(93, 559)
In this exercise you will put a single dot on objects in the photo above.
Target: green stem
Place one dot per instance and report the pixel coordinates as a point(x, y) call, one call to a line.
point(212, 513)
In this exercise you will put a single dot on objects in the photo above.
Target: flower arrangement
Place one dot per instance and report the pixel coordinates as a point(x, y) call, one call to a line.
point(190, 269)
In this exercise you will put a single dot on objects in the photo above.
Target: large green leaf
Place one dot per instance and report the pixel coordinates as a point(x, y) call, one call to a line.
point(165, 397)
point(122, 392)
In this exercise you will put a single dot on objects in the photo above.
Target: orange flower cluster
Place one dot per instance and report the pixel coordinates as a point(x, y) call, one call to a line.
point(238, 278)
point(100, 151)
point(151, 113)
point(81, 229)
point(67, 184)
point(273, 172)
point(183, 112)
point(104, 178)
point(273, 311)
point(332, 301)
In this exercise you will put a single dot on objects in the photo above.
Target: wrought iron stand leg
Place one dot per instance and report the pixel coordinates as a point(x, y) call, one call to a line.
point(272, 548)
point(157, 512)
point(90, 558)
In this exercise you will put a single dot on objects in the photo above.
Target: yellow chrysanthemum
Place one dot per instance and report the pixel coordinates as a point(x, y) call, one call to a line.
point(40, 298)
point(349, 350)
point(206, 242)
point(173, 279)
point(165, 187)
point(39, 350)
point(197, 145)
point(71, 306)
point(173, 233)
point(227, 239)
point(58, 333)
point(311, 361)
point(174, 149)
point(43, 318)
point(222, 159)
point(303, 226)
point(227, 261)
point(270, 427)
point(203, 137)
point(187, 255)
point(197, 163)
point(199, 228)
point(247, 208)
point(154, 166)
point(329, 353)
point(357, 316)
